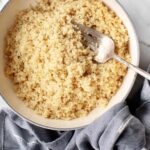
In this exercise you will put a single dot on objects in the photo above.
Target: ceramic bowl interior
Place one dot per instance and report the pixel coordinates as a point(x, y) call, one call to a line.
point(7, 17)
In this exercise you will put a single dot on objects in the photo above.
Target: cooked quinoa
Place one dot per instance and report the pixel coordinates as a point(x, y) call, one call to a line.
point(52, 71)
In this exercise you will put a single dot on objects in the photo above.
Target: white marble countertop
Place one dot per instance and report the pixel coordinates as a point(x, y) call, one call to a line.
point(138, 11)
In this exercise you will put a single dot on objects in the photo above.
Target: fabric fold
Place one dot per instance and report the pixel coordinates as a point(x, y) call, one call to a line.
point(116, 129)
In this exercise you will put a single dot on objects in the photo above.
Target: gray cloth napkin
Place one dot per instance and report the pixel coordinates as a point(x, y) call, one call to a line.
point(117, 129)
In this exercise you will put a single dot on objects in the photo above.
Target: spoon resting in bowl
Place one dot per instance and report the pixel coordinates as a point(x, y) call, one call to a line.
point(105, 48)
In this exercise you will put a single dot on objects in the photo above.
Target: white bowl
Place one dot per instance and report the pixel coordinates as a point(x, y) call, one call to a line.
point(7, 17)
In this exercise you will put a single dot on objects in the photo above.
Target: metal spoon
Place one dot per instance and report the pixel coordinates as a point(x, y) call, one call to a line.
point(104, 47)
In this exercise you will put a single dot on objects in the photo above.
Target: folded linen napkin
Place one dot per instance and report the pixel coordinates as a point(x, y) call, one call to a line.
point(117, 129)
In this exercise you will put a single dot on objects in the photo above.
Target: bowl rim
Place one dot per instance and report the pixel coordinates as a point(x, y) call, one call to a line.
point(125, 96)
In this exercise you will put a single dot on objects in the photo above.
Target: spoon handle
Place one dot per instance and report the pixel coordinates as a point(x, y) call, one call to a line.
point(136, 69)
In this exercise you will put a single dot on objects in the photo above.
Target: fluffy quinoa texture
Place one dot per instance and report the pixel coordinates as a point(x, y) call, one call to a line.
point(51, 70)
